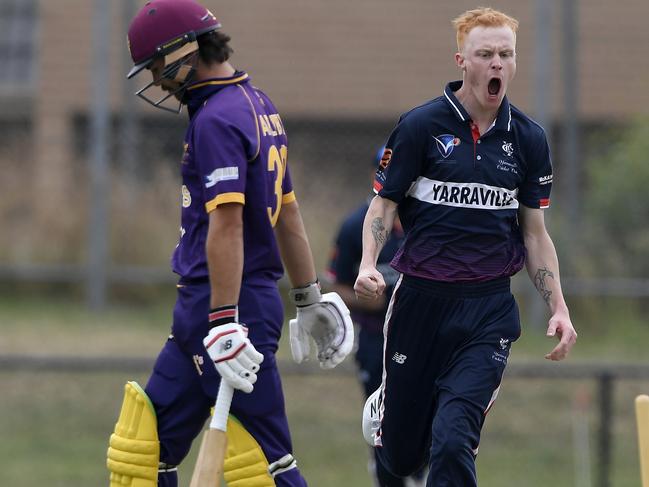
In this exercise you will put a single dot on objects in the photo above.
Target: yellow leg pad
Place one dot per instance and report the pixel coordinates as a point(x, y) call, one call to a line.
point(134, 449)
point(245, 463)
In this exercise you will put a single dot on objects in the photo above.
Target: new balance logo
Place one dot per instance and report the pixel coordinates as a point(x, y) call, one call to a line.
point(198, 363)
point(399, 358)
point(374, 407)
point(299, 297)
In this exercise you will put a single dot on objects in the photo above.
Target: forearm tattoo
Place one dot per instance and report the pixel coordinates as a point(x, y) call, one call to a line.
point(379, 232)
point(539, 282)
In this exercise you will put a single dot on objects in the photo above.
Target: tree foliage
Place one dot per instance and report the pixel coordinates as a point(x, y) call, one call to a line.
point(616, 204)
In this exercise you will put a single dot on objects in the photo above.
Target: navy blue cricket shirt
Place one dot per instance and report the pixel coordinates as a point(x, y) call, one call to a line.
point(459, 191)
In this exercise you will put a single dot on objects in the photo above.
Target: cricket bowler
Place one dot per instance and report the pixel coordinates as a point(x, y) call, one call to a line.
point(469, 175)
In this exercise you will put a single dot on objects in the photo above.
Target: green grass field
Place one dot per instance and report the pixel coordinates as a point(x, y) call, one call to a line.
point(54, 426)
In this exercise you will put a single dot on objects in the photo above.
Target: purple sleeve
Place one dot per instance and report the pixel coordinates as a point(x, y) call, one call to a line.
point(287, 187)
point(220, 155)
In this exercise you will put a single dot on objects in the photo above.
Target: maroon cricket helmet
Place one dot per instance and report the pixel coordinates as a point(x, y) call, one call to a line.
point(163, 26)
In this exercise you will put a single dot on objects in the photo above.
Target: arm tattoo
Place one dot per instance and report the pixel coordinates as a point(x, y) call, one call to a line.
point(539, 282)
point(379, 232)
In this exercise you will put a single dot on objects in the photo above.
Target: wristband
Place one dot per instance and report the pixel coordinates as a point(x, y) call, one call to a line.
point(223, 314)
point(307, 295)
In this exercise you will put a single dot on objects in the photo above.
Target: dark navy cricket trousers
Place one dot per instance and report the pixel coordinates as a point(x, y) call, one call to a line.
point(446, 348)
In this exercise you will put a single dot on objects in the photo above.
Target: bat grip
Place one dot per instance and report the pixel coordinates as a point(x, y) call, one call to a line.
point(222, 407)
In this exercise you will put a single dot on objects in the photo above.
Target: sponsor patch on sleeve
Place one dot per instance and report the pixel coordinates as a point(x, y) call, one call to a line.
point(221, 174)
point(545, 179)
point(544, 203)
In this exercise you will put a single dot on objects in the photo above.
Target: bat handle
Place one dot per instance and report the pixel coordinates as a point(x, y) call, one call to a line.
point(222, 407)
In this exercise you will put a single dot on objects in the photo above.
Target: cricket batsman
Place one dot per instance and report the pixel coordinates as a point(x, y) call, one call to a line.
point(240, 225)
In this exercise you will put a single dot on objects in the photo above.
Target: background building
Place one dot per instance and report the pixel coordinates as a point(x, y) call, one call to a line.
point(340, 73)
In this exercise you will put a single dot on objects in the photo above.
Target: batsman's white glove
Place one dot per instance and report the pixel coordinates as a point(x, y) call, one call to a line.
point(234, 356)
point(326, 320)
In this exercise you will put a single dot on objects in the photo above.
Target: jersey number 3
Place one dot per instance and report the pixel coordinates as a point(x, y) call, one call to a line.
point(277, 164)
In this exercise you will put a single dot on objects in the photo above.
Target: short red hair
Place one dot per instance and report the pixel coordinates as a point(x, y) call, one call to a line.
point(484, 17)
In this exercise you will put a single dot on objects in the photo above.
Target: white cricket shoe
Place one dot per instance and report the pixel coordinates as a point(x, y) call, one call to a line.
point(371, 418)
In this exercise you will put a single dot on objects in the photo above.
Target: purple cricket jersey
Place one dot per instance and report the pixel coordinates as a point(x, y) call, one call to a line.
point(459, 191)
point(235, 150)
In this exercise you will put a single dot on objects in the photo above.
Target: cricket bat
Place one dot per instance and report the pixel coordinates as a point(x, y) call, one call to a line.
point(209, 464)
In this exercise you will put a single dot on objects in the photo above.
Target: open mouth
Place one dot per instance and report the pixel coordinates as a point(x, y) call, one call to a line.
point(494, 86)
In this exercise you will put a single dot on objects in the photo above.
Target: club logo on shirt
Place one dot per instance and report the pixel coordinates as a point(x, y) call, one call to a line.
point(508, 148)
point(221, 174)
point(446, 143)
point(187, 197)
point(503, 343)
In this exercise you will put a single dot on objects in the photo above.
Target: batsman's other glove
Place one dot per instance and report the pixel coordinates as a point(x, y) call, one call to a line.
point(323, 318)
point(227, 343)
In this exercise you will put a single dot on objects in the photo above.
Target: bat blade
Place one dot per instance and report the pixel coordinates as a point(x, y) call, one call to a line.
point(209, 464)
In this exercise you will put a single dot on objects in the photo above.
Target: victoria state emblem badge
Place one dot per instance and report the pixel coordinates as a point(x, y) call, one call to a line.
point(446, 143)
